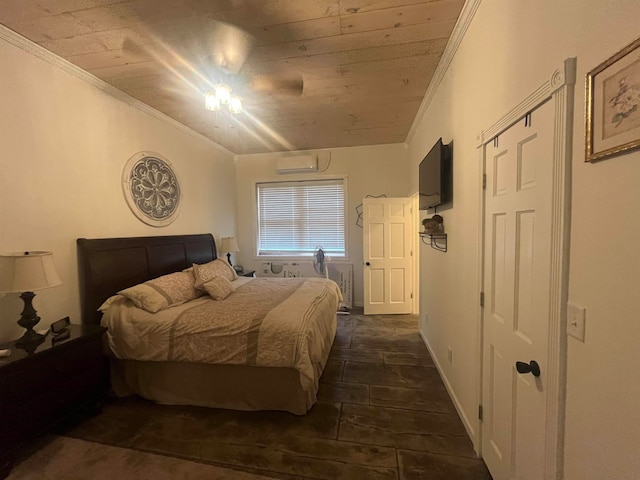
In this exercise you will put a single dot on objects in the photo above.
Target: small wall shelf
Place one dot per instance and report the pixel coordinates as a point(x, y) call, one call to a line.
point(435, 240)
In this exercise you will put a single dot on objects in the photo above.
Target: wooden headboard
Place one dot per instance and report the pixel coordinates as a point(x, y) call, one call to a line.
point(108, 265)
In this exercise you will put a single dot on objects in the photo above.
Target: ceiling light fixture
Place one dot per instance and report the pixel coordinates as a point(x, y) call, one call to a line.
point(221, 95)
point(211, 101)
point(235, 104)
point(223, 92)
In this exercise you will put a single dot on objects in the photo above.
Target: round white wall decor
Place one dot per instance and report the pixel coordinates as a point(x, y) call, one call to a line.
point(151, 189)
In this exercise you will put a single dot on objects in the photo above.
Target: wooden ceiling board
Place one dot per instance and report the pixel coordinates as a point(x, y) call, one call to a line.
point(366, 64)
point(358, 115)
point(364, 94)
point(364, 119)
point(132, 70)
point(276, 12)
point(363, 6)
point(134, 14)
point(107, 58)
point(444, 10)
point(355, 41)
point(389, 78)
point(393, 123)
point(153, 81)
point(50, 28)
point(410, 62)
point(303, 30)
point(365, 55)
point(94, 42)
point(23, 10)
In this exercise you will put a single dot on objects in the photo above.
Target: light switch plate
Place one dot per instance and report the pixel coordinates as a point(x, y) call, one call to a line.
point(576, 319)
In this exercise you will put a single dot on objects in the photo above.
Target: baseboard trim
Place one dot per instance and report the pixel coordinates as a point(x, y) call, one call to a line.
point(456, 403)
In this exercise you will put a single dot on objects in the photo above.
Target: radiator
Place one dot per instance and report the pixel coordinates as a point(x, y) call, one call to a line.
point(341, 273)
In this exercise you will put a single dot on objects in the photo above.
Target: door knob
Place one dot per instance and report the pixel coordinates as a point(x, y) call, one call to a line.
point(367, 264)
point(532, 367)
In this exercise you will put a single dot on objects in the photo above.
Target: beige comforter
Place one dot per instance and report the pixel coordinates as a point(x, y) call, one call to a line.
point(266, 322)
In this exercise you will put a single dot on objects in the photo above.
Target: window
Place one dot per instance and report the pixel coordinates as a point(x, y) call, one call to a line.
point(294, 218)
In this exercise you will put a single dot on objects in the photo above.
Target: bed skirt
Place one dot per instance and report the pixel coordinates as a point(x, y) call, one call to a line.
point(235, 387)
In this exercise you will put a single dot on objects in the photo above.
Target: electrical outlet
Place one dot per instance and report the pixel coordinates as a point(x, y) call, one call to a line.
point(576, 320)
point(450, 354)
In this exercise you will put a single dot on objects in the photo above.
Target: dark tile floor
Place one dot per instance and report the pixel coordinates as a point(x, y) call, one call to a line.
point(383, 413)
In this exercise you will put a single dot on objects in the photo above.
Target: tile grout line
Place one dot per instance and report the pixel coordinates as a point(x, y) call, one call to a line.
point(339, 422)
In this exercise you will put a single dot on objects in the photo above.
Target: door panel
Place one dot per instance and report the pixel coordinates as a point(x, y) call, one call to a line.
point(376, 236)
point(499, 268)
point(523, 313)
point(397, 241)
point(376, 288)
point(397, 284)
point(498, 426)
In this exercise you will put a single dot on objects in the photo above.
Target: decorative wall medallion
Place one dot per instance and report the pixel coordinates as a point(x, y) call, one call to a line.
point(151, 188)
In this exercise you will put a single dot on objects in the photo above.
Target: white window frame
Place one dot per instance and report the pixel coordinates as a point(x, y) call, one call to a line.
point(296, 178)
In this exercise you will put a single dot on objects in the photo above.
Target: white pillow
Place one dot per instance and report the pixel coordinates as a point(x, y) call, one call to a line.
point(219, 288)
point(109, 301)
point(163, 292)
point(217, 268)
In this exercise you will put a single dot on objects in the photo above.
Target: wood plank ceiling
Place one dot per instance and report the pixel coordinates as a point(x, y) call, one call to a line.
point(366, 64)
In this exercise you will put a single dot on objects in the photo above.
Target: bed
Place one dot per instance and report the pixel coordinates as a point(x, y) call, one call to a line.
point(263, 347)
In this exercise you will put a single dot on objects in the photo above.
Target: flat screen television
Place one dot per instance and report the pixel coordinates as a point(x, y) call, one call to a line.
point(434, 181)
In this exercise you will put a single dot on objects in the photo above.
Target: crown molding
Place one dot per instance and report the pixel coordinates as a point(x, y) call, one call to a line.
point(318, 150)
point(462, 25)
point(36, 50)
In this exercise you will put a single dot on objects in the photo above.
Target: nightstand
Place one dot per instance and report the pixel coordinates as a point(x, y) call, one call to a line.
point(39, 389)
point(247, 273)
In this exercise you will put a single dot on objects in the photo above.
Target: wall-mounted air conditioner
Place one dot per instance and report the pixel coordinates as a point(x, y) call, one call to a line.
point(297, 164)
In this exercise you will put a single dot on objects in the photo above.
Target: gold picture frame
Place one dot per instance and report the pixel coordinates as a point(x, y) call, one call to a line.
point(613, 105)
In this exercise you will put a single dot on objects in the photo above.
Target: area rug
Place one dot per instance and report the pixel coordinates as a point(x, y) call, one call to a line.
point(73, 459)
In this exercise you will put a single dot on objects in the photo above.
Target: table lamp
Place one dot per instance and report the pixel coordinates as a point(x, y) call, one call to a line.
point(25, 272)
point(229, 245)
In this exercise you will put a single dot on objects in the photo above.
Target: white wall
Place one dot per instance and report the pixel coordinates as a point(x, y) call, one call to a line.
point(369, 170)
point(63, 145)
point(510, 49)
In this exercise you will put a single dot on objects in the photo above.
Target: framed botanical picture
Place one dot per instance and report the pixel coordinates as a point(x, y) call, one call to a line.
point(613, 105)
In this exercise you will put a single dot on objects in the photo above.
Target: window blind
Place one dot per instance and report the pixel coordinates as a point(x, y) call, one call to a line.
point(294, 218)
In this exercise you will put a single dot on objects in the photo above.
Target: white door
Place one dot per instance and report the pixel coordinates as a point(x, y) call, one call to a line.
point(518, 214)
point(387, 255)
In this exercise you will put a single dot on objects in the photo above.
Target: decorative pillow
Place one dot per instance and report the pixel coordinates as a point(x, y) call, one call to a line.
point(217, 268)
point(163, 292)
point(219, 288)
point(108, 302)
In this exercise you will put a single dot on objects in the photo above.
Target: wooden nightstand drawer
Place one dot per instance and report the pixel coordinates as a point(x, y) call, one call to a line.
point(42, 387)
point(38, 378)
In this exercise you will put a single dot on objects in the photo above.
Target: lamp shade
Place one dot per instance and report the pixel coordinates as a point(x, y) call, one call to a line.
point(27, 272)
point(229, 244)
